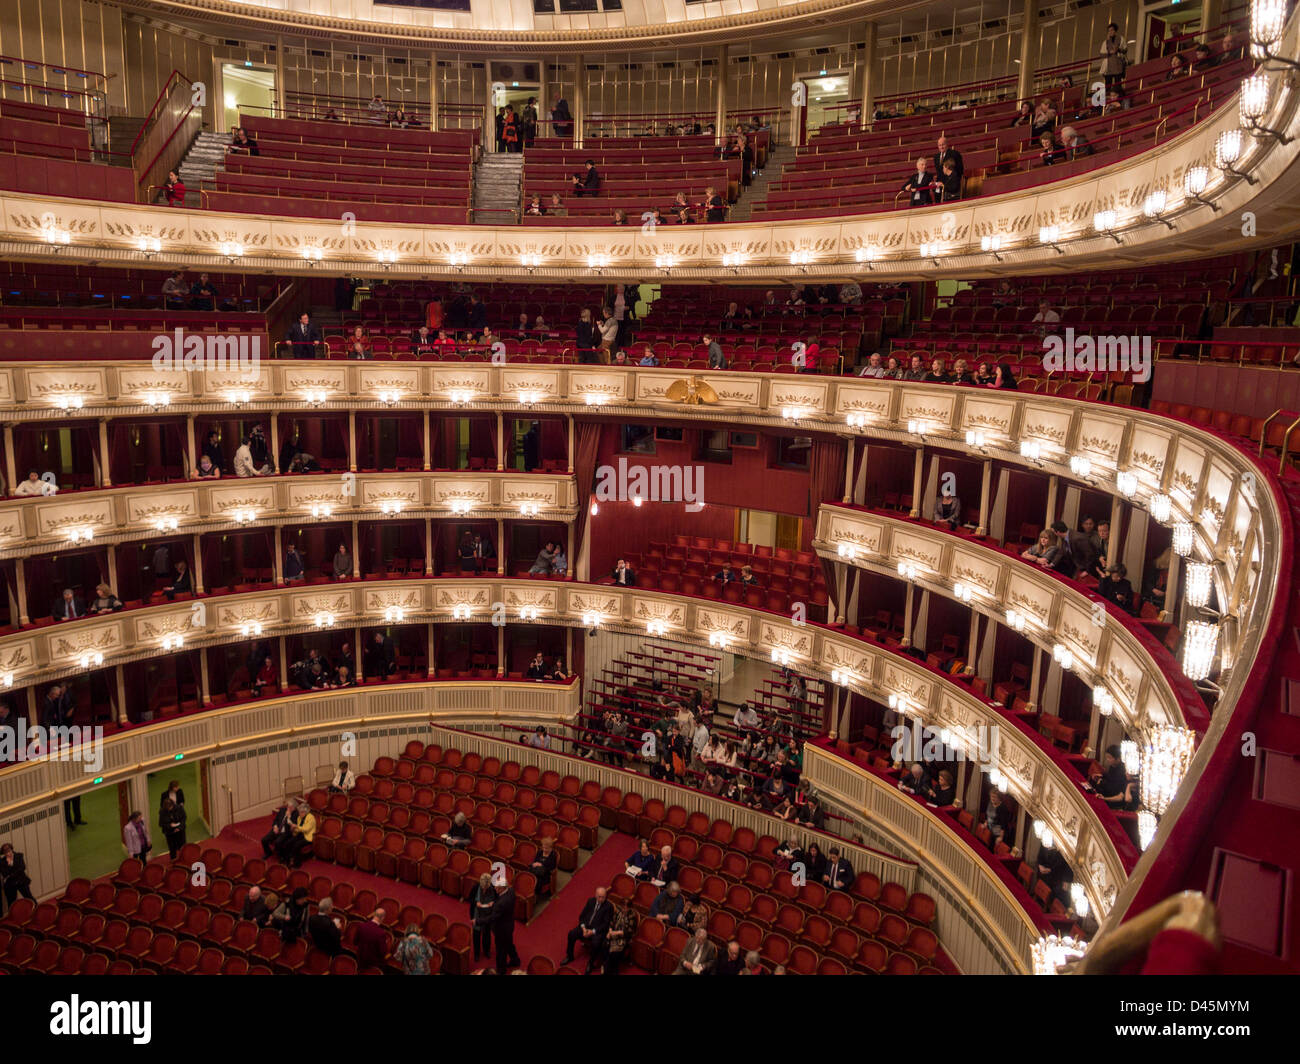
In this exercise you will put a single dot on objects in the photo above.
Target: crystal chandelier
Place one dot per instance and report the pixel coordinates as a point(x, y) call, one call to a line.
point(1164, 764)
point(1051, 954)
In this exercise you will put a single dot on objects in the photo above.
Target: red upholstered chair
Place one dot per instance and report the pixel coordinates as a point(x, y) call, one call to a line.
point(644, 947)
point(920, 909)
point(893, 896)
point(831, 966)
point(759, 876)
point(922, 944)
point(866, 887)
point(900, 964)
point(651, 816)
point(790, 921)
point(540, 966)
point(817, 932)
point(873, 956)
point(893, 930)
point(763, 910)
point(455, 949)
point(627, 816)
point(670, 950)
point(845, 944)
point(525, 895)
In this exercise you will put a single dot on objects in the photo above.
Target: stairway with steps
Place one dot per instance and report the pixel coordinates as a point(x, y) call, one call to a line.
point(777, 160)
point(205, 159)
point(122, 131)
point(498, 177)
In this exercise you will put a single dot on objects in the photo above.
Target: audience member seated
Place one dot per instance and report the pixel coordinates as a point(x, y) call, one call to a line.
point(593, 925)
point(668, 905)
point(699, 956)
point(459, 833)
point(343, 780)
point(68, 607)
point(104, 601)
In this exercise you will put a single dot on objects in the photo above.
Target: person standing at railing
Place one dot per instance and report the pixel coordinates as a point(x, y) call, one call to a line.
point(561, 118)
point(919, 186)
point(378, 110)
point(1114, 52)
point(529, 118)
point(304, 335)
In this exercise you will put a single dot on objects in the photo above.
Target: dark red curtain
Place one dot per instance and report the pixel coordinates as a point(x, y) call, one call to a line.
point(586, 454)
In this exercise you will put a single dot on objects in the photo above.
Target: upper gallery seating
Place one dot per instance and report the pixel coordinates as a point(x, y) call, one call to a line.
point(322, 169)
point(637, 174)
point(841, 169)
point(77, 312)
point(48, 150)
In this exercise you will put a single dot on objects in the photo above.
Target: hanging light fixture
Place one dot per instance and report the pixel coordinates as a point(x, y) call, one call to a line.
point(1200, 581)
point(1200, 650)
point(1267, 23)
point(1183, 538)
point(1228, 150)
point(1103, 700)
point(1195, 182)
point(1051, 953)
point(1131, 756)
point(1165, 761)
point(1160, 507)
point(1146, 827)
point(1063, 656)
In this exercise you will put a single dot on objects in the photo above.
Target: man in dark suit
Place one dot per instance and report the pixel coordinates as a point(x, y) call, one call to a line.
point(255, 907)
point(382, 657)
point(304, 336)
point(839, 873)
point(946, 152)
point(213, 451)
point(280, 825)
point(56, 710)
point(587, 183)
point(326, 935)
point(13, 875)
point(561, 118)
point(624, 575)
point(503, 929)
point(68, 607)
point(592, 927)
point(665, 869)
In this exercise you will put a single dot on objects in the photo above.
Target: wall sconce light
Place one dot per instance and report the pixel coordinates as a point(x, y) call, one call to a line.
point(311, 254)
point(238, 398)
point(84, 534)
point(528, 613)
point(656, 628)
point(1160, 506)
point(391, 507)
point(963, 592)
point(250, 628)
point(907, 570)
point(1267, 22)
point(1063, 656)
point(527, 398)
point(1195, 182)
point(1015, 620)
point(842, 677)
point(856, 420)
point(1103, 700)
point(976, 438)
point(389, 396)
point(394, 614)
point(91, 658)
point(243, 516)
point(591, 619)
point(721, 640)
point(166, 524)
point(315, 396)
point(172, 641)
point(324, 620)
point(460, 507)
point(1031, 449)
point(156, 401)
point(596, 398)
point(780, 655)
point(529, 509)
point(1184, 535)
point(1228, 150)
point(70, 402)
point(1200, 582)
point(1080, 466)
point(1252, 105)
point(322, 509)
point(148, 246)
point(794, 413)
point(847, 551)
point(1104, 222)
point(734, 260)
point(917, 427)
point(530, 262)
point(932, 252)
point(461, 611)
point(56, 237)
point(458, 260)
point(802, 259)
point(1154, 207)
point(386, 257)
point(597, 263)
point(6, 679)
point(460, 396)
point(992, 244)
point(231, 251)
point(1126, 483)
point(665, 263)
point(1051, 236)
point(867, 256)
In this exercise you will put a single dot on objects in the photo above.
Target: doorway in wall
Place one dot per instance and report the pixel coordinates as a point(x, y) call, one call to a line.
point(828, 98)
point(246, 89)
